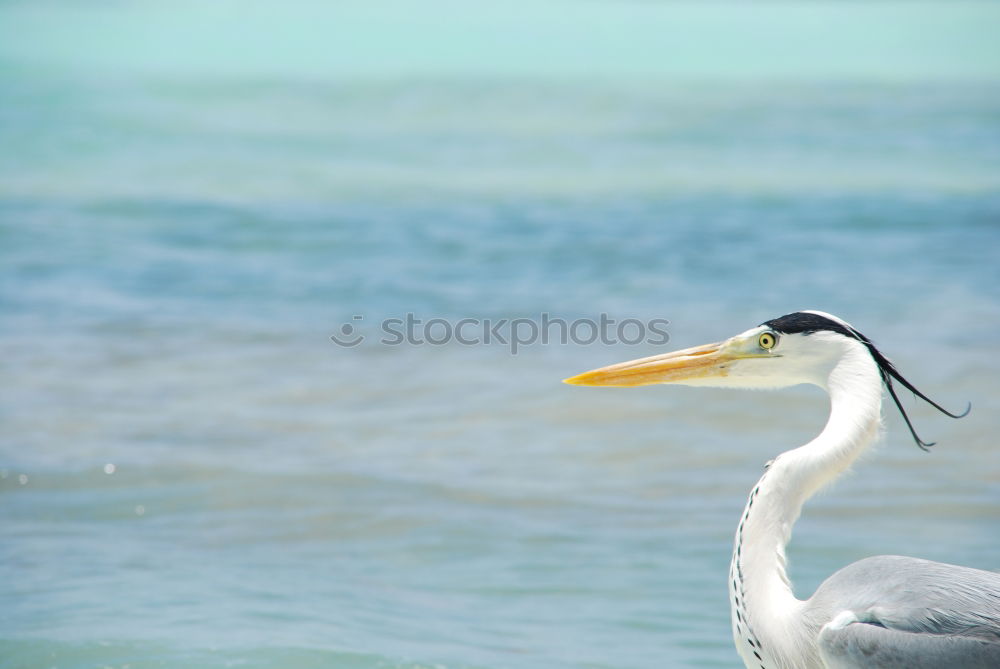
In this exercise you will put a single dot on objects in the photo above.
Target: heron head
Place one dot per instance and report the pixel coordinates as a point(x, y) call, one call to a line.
point(798, 348)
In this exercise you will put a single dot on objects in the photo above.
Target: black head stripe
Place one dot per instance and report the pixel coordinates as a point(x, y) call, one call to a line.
point(802, 322)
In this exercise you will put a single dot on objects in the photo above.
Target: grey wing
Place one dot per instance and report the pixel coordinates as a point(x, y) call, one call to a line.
point(894, 612)
point(860, 645)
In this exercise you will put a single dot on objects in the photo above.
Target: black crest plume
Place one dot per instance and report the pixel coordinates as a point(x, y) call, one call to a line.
point(807, 323)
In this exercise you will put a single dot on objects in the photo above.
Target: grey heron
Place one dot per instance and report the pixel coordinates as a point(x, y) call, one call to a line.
point(878, 613)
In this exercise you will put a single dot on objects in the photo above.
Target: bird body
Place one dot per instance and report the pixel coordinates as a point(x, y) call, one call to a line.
point(886, 612)
point(895, 611)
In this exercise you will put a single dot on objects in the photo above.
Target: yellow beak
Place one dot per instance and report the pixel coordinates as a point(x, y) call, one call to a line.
point(710, 360)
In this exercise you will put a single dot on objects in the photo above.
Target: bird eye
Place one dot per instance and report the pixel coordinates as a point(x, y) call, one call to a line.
point(767, 340)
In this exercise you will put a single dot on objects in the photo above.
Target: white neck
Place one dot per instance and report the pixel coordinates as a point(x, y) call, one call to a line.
point(761, 595)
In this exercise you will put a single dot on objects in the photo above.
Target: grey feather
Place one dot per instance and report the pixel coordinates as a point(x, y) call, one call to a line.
point(865, 646)
point(910, 613)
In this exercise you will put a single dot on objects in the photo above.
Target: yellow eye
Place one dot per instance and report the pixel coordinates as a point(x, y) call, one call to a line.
point(767, 340)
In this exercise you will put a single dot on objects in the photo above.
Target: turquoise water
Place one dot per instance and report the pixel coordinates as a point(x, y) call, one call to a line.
point(192, 474)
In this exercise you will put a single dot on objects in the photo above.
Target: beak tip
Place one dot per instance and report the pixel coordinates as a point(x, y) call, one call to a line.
point(590, 380)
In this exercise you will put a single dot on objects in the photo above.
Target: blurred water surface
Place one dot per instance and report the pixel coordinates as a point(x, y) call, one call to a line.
point(193, 475)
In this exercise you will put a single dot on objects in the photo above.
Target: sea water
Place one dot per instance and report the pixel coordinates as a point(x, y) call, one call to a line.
point(194, 474)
